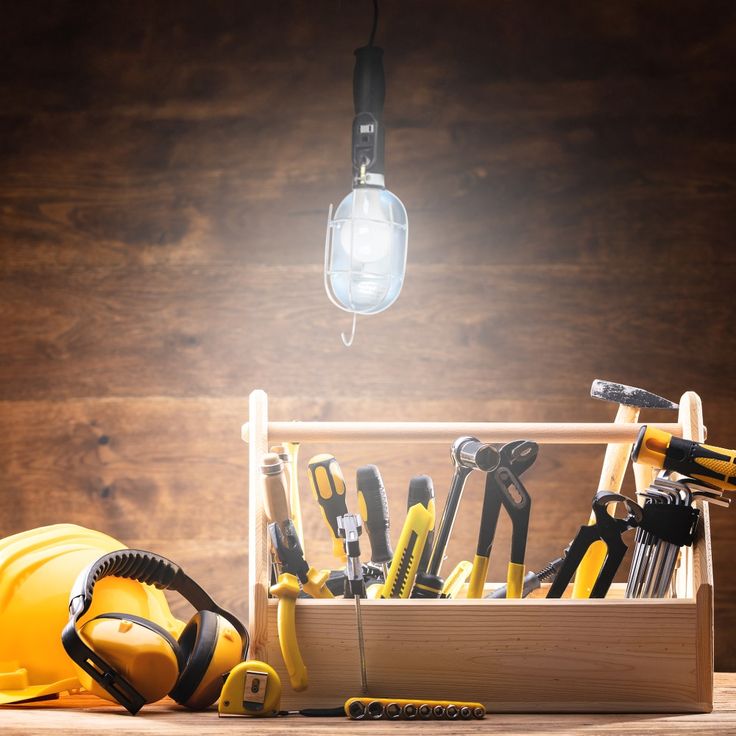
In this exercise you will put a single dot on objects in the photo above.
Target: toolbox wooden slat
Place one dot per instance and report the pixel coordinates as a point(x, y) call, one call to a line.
point(532, 655)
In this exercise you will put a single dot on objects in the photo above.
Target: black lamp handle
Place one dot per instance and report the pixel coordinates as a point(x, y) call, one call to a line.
point(369, 92)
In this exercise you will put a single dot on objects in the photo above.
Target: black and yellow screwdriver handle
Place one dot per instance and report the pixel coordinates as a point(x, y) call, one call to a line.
point(715, 466)
point(328, 487)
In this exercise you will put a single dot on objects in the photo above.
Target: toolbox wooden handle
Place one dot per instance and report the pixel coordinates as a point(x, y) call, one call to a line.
point(447, 432)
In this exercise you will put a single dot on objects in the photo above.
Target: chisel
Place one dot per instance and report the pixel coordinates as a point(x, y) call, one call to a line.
point(328, 487)
point(373, 508)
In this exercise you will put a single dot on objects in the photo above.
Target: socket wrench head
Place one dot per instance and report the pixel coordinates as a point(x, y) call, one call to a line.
point(393, 711)
point(471, 453)
point(357, 710)
point(375, 710)
point(409, 711)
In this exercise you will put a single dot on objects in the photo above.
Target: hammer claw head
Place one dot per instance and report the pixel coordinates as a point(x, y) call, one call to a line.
point(620, 393)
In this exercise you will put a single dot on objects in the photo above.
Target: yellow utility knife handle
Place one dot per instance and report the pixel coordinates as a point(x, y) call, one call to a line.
point(514, 580)
point(287, 591)
point(456, 579)
point(478, 577)
point(328, 487)
point(316, 585)
point(408, 551)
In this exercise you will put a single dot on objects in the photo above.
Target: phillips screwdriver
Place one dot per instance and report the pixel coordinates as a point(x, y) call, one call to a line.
point(373, 507)
point(714, 466)
point(328, 487)
point(421, 490)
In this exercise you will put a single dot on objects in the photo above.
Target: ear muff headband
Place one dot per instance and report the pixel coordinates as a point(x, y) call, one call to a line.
point(145, 567)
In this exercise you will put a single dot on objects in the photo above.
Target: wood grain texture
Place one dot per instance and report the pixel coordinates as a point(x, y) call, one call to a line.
point(83, 714)
point(570, 176)
point(546, 645)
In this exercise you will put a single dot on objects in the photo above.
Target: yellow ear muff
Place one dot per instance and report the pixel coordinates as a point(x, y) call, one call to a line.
point(140, 650)
point(211, 647)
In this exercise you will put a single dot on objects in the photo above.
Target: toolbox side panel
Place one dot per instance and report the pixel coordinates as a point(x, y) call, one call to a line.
point(533, 655)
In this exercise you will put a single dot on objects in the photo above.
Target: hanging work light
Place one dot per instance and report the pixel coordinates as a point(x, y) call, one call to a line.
point(365, 244)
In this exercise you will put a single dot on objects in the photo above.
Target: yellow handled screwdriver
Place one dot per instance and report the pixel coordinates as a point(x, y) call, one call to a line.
point(714, 466)
point(328, 487)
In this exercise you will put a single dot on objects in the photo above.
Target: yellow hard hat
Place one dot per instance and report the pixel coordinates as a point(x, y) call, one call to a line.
point(37, 571)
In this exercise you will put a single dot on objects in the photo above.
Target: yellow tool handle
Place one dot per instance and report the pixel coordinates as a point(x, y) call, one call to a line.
point(328, 487)
point(456, 579)
point(316, 585)
point(612, 478)
point(514, 580)
point(478, 577)
point(287, 591)
point(715, 466)
point(292, 448)
point(408, 551)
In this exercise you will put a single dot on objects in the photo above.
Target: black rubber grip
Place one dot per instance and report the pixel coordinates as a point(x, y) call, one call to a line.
point(427, 586)
point(369, 83)
point(370, 486)
point(136, 564)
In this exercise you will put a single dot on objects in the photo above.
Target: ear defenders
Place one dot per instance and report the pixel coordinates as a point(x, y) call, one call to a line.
point(134, 661)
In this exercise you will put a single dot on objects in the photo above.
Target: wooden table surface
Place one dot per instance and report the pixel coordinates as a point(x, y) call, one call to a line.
point(83, 714)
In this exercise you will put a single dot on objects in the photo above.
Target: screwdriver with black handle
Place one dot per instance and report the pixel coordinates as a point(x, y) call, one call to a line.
point(714, 466)
point(373, 508)
point(328, 487)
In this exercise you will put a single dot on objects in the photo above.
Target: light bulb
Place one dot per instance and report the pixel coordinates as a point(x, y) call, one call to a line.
point(365, 254)
point(367, 235)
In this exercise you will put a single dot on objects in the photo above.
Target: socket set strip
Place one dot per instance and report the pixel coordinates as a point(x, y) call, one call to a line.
point(375, 709)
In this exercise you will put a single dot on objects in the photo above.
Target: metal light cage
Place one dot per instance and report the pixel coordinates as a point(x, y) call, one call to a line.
point(360, 285)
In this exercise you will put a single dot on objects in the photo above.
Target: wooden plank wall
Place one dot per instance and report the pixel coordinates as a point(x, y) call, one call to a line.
point(569, 170)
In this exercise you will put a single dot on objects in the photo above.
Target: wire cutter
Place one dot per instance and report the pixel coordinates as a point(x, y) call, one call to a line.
point(607, 529)
point(503, 488)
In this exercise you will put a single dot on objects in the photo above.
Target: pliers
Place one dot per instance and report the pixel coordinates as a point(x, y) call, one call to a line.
point(293, 571)
point(503, 488)
point(607, 529)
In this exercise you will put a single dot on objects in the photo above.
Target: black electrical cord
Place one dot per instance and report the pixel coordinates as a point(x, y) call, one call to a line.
point(375, 23)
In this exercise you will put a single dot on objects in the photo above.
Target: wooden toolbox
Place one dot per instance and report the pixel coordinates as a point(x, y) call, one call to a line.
point(610, 655)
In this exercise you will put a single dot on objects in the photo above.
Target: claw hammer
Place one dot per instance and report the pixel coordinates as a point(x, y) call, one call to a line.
point(631, 401)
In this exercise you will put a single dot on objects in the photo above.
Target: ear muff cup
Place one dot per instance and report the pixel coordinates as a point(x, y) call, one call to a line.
point(142, 651)
point(211, 647)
